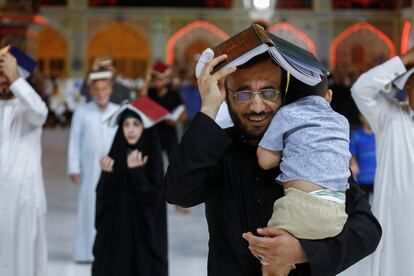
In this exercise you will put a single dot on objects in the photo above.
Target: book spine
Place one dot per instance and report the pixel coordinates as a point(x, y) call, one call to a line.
point(262, 36)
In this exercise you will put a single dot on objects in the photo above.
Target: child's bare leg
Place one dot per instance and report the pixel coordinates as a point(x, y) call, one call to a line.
point(276, 270)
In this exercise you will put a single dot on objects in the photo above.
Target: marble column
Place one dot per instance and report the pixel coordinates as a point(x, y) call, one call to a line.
point(160, 31)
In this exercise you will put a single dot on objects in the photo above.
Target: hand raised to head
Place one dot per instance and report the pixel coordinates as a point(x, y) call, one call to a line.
point(211, 86)
point(8, 66)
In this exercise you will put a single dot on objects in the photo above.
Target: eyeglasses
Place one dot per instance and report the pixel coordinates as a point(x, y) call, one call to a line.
point(246, 96)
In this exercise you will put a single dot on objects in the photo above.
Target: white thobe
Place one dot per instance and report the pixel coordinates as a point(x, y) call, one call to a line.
point(393, 201)
point(90, 139)
point(23, 249)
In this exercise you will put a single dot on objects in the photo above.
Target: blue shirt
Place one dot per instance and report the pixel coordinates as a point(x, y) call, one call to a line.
point(192, 100)
point(314, 141)
point(363, 148)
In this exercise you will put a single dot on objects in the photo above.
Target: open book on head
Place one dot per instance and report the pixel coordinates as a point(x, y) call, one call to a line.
point(255, 41)
point(148, 110)
point(176, 113)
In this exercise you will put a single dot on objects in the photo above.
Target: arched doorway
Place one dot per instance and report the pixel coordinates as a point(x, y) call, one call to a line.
point(359, 48)
point(52, 53)
point(124, 45)
point(407, 37)
point(192, 39)
point(293, 35)
point(195, 48)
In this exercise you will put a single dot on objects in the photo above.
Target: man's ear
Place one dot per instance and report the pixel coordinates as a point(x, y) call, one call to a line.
point(328, 95)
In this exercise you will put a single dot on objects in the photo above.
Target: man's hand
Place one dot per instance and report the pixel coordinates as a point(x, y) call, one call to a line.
point(135, 159)
point(8, 67)
point(107, 164)
point(75, 178)
point(275, 247)
point(211, 86)
point(408, 58)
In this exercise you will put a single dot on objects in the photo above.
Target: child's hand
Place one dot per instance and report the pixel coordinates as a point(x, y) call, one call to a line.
point(135, 159)
point(107, 164)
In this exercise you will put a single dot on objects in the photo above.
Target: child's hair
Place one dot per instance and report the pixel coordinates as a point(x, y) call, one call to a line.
point(297, 89)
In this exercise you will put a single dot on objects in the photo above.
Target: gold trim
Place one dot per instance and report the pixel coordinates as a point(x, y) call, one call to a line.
point(287, 82)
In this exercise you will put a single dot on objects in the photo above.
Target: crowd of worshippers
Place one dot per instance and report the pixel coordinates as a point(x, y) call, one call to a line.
point(64, 95)
point(90, 138)
point(115, 155)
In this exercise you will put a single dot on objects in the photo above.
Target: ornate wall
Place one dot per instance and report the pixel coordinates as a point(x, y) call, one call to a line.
point(137, 36)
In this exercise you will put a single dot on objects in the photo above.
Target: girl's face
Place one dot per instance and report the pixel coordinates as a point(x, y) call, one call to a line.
point(133, 129)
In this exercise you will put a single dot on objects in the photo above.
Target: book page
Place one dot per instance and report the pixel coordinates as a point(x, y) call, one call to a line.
point(175, 114)
point(307, 76)
point(248, 56)
point(302, 66)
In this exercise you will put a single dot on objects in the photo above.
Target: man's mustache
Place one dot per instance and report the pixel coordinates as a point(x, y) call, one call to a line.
point(269, 113)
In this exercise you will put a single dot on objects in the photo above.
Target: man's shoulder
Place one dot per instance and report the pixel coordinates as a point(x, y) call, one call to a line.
point(113, 106)
point(82, 107)
point(231, 131)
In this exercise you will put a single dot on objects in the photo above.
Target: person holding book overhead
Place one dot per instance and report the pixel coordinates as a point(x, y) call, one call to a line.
point(131, 221)
point(23, 246)
point(120, 92)
point(161, 92)
point(219, 167)
point(393, 125)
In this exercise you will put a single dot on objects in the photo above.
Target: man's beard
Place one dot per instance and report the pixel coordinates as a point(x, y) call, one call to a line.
point(6, 95)
point(101, 103)
point(249, 135)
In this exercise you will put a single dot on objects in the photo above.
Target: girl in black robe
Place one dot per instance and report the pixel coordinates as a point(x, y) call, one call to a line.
point(131, 224)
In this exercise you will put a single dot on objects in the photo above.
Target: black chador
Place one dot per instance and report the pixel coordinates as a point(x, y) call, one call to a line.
point(131, 221)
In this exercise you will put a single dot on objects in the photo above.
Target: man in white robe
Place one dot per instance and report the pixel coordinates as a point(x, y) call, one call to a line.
point(393, 125)
point(23, 249)
point(90, 140)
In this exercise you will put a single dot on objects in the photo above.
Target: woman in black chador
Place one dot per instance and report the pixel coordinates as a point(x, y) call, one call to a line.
point(131, 223)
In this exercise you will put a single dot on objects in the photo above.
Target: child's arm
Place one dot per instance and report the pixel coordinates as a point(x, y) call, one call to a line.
point(267, 158)
point(269, 150)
